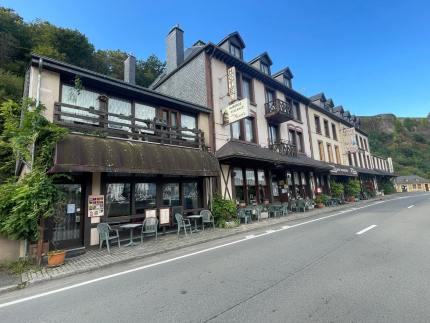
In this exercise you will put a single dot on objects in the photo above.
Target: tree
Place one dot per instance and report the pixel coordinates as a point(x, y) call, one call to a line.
point(408, 123)
point(109, 62)
point(423, 122)
point(147, 71)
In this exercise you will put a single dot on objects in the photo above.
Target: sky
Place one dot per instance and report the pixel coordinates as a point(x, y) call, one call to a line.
point(371, 57)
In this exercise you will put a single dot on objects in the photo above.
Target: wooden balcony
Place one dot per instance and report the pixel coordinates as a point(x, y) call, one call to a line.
point(278, 111)
point(103, 123)
point(283, 147)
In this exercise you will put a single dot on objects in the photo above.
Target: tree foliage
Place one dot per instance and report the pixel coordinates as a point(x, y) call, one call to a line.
point(408, 123)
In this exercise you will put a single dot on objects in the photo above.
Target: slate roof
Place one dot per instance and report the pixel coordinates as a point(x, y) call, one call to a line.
point(236, 33)
point(287, 70)
point(234, 149)
point(338, 109)
point(317, 97)
point(410, 179)
point(366, 171)
point(329, 102)
point(259, 56)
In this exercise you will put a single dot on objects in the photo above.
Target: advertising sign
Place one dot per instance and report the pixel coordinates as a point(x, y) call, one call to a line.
point(236, 111)
point(349, 140)
point(343, 170)
point(96, 205)
point(164, 215)
point(231, 76)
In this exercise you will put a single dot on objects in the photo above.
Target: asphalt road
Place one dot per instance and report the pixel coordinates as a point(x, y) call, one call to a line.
point(317, 270)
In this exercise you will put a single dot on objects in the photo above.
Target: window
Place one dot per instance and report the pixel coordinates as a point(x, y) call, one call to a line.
point(273, 133)
point(249, 130)
point(246, 89)
point(191, 195)
point(296, 111)
point(330, 153)
point(292, 136)
point(368, 162)
point(238, 183)
point(264, 68)
point(119, 106)
point(365, 161)
point(85, 99)
point(419, 186)
point(414, 186)
point(261, 184)
point(322, 104)
point(326, 129)
point(190, 123)
point(118, 199)
point(333, 130)
point(269, 96)
point(171, 194)
point(234, 50)
point(145, 196)
point(365, 145)
point(317, 124)
point(336, 149)
point(349, 159)
point(251, 186)
point(321, 149)
point(144, 112)
point(355, 160)
point(299, 142)
point(361, 142)
point(235, 127)
point(287, 82)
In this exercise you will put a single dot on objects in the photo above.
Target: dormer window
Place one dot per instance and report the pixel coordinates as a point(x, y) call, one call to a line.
point(287, 82)
point(264, 68)
point(235, 50)
point(322, 104)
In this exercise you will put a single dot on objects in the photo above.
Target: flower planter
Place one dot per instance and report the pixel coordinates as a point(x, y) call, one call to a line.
point(351, 199)
point(266, 202)
point(307, 198)
point(56, 259)
point(320, 205)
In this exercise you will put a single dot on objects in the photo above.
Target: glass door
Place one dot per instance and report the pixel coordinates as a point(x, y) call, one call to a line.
point(69, 233)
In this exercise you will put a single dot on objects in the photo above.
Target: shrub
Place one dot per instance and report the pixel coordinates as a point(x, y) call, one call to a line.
point(352, 187)
point(223, 209)
point(419, 138)
point(322, 198)
point(336, 189)
point(408, 123)
point(423, 122)
point(387, 186)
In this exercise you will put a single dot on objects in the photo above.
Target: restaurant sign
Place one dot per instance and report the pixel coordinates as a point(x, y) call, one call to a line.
point(343, 171)
point(231, 76)
point(236, 111)
point(349, 140)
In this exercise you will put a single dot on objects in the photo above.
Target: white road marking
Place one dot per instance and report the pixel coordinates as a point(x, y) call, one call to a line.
point(250, 237)
point(367, 229)
point(173, 259)
point(409, 207)
point(286, 227)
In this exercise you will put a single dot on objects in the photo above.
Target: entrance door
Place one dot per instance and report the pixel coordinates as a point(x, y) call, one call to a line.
point(69, 234)
point(427, 187)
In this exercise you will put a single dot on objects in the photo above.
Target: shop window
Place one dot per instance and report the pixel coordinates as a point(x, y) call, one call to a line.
point(296, 185)
point(118, 199)
point(239, 185)
point(261, 184)
point(145, 197)
point(171, 194)
point(303, 184)
point(251, 185)
point(191, 195)
point(119, 106)
point(275, 191)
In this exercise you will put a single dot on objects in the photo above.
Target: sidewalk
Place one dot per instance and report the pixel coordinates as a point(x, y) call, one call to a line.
point(94, 259)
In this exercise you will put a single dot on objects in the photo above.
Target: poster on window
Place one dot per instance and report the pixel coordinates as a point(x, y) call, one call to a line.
point(236, 111)
point(349, 140)
point(164, 215)
point(96, 205)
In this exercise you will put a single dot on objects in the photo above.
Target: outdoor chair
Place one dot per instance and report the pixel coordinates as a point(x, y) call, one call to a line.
point(149, 226)
point(273, 210)
point(301, 206)
point(258, 210)
point(250, 210)
point(293, 205)
point(311, 204)
point(105, 235)
point(244, 216)
point(183, 223)
point(207, 218)
point(284, 209)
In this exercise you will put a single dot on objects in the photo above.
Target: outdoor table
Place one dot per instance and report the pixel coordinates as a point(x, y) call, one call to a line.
point(195, 217)
point(333, 201)
point(131, 226)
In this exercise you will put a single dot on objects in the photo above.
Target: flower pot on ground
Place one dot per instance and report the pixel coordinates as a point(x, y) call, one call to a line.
point(242, 203)
point(266, 201)
point(56, 258)
point(307, 198)
point(320, 200)
point(352, 188)
point(320, 205)
point(351, 198)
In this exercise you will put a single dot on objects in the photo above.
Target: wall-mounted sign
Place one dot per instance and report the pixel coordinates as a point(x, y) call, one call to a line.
point(231, 76)
point(343, 170)
point(96, 205)
point(236, 111)
point(349, 140)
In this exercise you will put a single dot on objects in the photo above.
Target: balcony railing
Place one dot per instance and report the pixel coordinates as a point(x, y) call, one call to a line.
point(120, 126)
point(278, 110)
point(283, 147)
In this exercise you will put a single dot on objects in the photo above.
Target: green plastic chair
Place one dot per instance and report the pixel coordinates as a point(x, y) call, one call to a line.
point(310, 204)
point(183, 223)
point(284, 208)
point(273, 210)
point(105, 235)
point(207, 218)
point(243, 216)
point(301, 206)
point(149, 226)
point(258, 210)
point(293, 205)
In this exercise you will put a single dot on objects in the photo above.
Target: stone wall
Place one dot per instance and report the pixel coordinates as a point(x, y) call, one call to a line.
point(387, 122)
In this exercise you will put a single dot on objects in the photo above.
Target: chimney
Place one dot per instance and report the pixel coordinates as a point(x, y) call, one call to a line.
point(130, 69)
point(174, 48)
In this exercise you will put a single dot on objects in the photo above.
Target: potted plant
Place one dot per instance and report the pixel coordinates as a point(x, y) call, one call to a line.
point(242, 203)
point(57, 257)
point(265, 201)
point(336, 189)
point(320, 200)
point(352, 188)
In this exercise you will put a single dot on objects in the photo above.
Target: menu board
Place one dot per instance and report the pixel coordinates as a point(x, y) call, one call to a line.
point(164, 215)
point(96, 205)
point(151, 213)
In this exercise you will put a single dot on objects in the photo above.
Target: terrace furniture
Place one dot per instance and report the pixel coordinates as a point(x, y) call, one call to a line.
point(195, 217)
point(273, 210)
point(258, 210)
point(301, 206)
point(244, 216)
point(131, 226)
point(284, 209)
point(250, 210)
point(149, 226)
point(207, 218)
point(309, 204)
point(293, 205)
point(105, 235)
point(182, 223)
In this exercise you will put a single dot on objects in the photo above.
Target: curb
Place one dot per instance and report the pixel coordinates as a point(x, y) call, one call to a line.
point(26, 282)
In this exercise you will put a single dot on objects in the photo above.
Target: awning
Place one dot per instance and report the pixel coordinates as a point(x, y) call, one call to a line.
point(341, 170)
point(365, 171)
point(240, 150)
point(381, 172)
point(80, 153)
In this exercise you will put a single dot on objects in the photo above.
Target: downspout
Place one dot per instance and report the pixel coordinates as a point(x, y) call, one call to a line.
point(213, 121)
point(39, 82)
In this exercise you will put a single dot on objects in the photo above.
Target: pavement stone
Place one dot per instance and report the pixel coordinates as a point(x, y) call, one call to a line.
point(94, 259)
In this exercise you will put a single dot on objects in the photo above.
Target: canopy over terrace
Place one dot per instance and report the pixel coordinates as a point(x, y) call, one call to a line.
point(81, 153)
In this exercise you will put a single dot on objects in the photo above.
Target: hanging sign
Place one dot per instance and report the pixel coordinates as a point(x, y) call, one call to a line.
point(231, 76)
point(96, 205)
point(349, 140)
point(236, 111)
